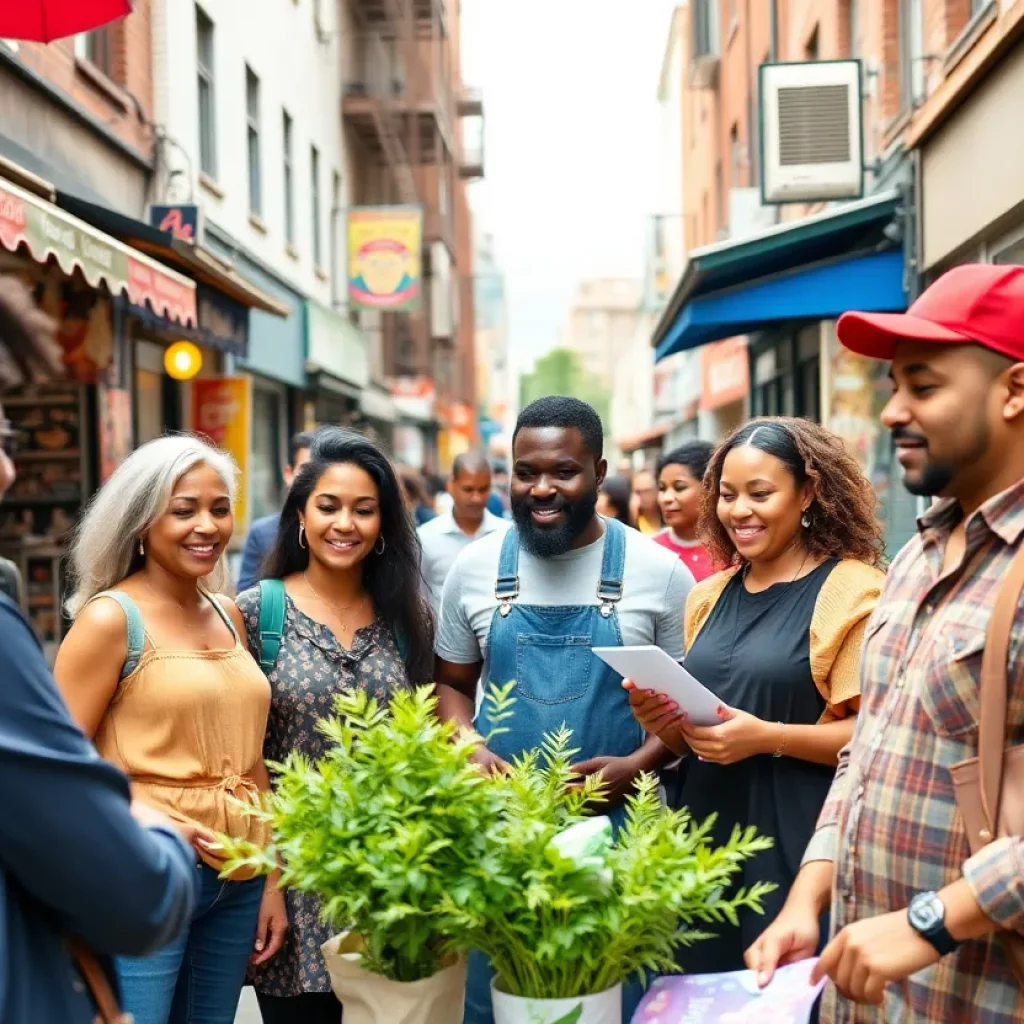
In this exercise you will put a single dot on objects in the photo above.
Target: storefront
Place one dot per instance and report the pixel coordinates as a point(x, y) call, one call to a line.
point(74, 431)
point(337, 366)
point(981, 144)
point(416, 426)
point(724, 387)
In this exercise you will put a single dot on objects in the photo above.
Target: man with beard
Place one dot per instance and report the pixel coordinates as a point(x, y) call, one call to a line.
point(915, 916)
point(530, 603)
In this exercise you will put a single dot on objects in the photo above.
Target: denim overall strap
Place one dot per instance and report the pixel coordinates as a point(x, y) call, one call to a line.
point(506, 589)
point(613, 566)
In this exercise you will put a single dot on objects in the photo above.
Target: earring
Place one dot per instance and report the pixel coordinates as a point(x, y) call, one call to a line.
point(383, 545)
point(142, 547)
point(302, 536)
point(805, 520)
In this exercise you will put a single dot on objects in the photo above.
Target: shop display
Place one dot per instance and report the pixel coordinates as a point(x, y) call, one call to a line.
point(41, 507)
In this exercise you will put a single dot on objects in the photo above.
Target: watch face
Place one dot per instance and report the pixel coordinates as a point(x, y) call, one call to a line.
point(926, 911)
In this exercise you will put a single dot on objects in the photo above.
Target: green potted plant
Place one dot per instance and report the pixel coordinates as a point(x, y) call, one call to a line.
point(390, 829)
point(572, 912)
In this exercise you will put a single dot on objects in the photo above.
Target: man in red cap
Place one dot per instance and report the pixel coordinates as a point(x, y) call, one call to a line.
point(915, 916)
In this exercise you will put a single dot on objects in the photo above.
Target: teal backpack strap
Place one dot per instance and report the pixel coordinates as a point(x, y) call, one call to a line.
point(136, 630)
point(272, 615)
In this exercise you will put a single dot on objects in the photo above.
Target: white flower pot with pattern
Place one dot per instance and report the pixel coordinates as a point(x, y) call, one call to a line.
point(603, 1008)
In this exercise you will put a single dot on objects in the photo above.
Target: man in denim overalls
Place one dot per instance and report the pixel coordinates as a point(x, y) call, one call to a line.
point(531, 604)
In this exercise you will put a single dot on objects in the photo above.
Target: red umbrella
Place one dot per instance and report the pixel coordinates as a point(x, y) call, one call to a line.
point(43, 20)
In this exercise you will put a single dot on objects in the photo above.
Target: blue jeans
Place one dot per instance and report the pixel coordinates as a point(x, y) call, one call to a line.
point(198, 978)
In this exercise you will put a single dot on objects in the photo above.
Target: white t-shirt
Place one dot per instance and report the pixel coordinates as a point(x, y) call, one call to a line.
point(655, 586)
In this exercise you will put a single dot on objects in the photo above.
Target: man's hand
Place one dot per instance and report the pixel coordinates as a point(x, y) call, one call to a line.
point(489, 762)
point(867, 955)
point(740, 736)
point(618, 773)
point(792, 936)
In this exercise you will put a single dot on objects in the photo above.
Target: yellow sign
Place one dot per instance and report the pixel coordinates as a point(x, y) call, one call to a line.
point(384, 257)
point(222, 412)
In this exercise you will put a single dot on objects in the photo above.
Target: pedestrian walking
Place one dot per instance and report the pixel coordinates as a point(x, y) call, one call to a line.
point(443, 538)
point(918, 919)
point(417, 501)
point(263, 531)
point(530, 603)
point(646, 511)
point(681, 497)
point(74, 862)
point(777, 638)
point(153, 669)
point(614, 500)
point(340, 609)
point(498, 503)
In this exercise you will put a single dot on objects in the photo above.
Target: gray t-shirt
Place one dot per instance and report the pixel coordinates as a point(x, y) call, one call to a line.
point(655, 586)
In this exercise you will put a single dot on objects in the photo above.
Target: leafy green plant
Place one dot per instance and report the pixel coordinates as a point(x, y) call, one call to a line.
point(392, 829)
point(570, 912)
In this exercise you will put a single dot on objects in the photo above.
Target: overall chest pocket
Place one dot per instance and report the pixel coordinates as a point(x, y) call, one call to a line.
point(552, 669)
point(951, 678)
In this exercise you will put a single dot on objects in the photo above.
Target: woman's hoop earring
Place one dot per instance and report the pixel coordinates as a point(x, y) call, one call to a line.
point(805, 520)
point(383, 545)
point(302, 536)
point(142, 547)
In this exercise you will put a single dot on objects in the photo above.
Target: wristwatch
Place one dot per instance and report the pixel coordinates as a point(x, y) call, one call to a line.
point(927, 916)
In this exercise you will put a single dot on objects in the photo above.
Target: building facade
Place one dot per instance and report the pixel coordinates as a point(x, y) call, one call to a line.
point(495, 377)
point(601, 322)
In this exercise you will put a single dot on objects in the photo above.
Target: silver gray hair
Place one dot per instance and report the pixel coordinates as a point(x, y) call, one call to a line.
point(105, 549)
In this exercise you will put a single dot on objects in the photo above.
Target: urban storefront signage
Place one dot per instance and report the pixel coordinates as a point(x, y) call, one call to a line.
point(725, 373)
point(223, 323)
point(384, 257)
point(181, 220)
point(222, 411)
point(47, 232)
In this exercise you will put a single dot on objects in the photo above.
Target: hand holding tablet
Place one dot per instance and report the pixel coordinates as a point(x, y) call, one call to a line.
point(650, 668)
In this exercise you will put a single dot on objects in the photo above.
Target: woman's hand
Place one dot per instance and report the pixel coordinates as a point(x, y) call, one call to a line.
point(659, 715)
point(272, 924)
point(738, 737)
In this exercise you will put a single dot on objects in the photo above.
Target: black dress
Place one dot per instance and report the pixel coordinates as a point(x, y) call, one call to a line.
point(754, 653)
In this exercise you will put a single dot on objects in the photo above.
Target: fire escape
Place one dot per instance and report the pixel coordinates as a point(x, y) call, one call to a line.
point(399, 106)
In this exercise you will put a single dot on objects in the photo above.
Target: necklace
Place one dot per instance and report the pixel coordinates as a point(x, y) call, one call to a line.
point(330, 604)
point(803, 562)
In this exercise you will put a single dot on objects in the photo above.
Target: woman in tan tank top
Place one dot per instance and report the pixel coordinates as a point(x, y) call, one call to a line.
point(153, 669)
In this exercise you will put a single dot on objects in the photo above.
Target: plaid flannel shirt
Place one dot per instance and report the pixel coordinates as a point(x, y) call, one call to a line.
point(890, 823)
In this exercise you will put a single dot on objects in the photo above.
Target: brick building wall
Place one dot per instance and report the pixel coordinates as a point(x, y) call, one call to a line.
point(121, 96)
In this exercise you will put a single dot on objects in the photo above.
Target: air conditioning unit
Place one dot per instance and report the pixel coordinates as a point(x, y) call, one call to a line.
point(812, 143)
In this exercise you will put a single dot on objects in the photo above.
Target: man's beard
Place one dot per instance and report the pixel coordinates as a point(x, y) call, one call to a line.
point(935, 477)
point(549, 541)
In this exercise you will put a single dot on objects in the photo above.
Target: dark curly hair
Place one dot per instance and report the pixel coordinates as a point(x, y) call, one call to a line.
point(844, 523)
point(391, 578)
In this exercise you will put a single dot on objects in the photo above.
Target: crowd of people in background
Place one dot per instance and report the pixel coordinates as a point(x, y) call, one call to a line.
point(848, 693)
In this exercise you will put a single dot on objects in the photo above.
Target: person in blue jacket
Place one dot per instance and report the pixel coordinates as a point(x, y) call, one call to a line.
point(77, 861)
point(263, 532)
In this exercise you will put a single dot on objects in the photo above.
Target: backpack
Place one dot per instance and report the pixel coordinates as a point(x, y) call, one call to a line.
point(272, 616)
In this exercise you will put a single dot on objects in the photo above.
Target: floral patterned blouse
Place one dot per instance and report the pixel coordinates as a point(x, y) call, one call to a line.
point(312, 667)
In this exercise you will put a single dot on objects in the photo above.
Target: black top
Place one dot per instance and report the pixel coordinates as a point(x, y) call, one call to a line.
point(754, 653)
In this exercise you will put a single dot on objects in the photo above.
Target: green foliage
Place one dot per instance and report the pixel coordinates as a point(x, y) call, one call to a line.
point(560, 372)
point(411, 847)
point(391, 830)
point(556, 925)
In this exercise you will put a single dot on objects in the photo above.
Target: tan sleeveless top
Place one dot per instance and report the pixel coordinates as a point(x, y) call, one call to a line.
point(187, 727)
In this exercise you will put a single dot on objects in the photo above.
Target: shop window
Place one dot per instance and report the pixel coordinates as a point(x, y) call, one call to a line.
point(204, 76)
point(809, 373)
point(267, 469)
point(289, 178)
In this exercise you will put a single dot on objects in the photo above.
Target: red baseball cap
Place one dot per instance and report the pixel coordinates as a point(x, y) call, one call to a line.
point(978, 302)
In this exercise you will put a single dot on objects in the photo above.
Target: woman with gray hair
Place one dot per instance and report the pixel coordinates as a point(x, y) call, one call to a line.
point(83, 873)
point(154, 671)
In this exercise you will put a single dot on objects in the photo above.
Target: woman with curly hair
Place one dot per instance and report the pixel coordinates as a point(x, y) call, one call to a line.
point(777, 638)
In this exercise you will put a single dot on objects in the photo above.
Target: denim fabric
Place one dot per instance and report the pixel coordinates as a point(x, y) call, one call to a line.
point(198, 978)
point(546, 649)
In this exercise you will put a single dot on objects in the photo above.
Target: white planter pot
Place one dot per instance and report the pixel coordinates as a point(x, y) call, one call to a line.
point(603, 1008)
point(372, 999)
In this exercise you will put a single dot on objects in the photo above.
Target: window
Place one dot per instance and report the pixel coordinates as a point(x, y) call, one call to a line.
point(289, 183)
point(97, 48)
point(267, 422)
point(204, 75)
point(705, 28)
point(314, 202)
point(252, 117)
point(853, 27)
point(335, 205)
point(912, 85)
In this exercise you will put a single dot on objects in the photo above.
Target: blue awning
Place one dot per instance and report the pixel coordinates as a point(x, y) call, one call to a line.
point(814, 269)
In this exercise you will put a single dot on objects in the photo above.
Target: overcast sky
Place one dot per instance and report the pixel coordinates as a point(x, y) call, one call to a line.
point(571, 119)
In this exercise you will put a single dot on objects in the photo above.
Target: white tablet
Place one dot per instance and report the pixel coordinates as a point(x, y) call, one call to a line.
point(652, 669)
